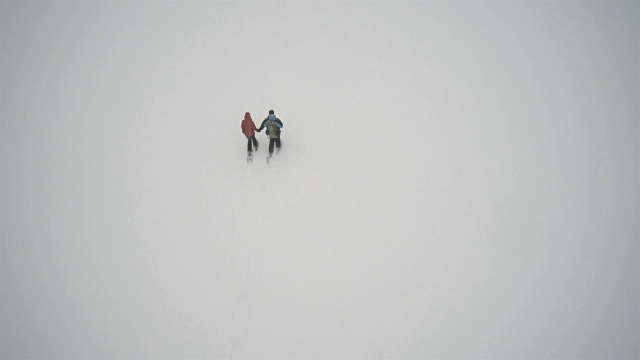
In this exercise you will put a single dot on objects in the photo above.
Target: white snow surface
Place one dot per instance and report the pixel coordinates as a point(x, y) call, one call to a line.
point(457, 180)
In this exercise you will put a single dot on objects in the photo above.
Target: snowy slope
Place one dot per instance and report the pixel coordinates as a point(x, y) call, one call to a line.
point(456, 181)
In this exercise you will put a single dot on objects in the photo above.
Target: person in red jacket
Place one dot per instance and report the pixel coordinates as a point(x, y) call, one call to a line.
point(248, 129)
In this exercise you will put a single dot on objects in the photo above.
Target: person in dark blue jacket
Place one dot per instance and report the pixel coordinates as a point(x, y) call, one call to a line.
point(273, 125)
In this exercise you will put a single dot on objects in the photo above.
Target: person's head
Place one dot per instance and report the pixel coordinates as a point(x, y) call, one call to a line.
point(271, 112)
point(247, 116)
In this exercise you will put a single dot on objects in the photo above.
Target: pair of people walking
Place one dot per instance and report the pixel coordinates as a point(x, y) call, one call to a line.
point(273, 125)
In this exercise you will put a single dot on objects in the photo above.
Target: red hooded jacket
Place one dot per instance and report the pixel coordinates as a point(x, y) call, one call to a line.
point(248, 126)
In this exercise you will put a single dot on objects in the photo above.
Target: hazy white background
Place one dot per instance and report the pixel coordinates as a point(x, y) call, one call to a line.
point(457, 180)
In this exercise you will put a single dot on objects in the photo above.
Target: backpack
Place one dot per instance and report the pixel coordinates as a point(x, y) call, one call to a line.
point(272, 129)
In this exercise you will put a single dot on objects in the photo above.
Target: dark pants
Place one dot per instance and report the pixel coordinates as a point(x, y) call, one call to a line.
point(275, 141)
point(251, 139)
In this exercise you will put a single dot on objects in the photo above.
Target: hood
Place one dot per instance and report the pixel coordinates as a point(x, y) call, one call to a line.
point(247, 116)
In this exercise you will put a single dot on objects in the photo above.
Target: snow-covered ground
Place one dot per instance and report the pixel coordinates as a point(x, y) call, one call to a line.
point(457, 180)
